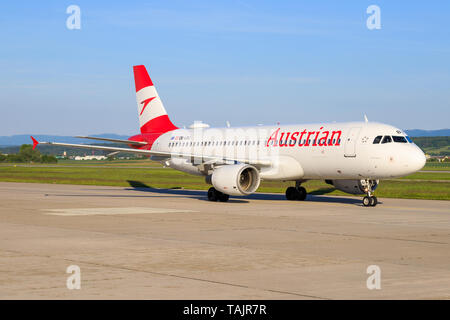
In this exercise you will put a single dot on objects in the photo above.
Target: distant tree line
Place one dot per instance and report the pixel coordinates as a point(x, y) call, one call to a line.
point(431, 145)
point(71, 152)
point(26, 154)
point(432, 142)
point(434, 145)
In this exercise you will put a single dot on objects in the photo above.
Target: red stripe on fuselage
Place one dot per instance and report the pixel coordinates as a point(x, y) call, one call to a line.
point(161, 124)
point(152, 130)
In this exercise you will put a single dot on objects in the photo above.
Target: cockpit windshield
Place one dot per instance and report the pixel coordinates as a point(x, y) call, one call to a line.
point(399, 139)
point(377, 139)
point(389, 139)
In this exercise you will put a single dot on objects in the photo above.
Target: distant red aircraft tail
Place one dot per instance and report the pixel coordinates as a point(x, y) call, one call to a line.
point(35, 142)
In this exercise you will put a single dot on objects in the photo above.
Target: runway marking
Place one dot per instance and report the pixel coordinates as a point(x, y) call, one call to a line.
point(110, 211)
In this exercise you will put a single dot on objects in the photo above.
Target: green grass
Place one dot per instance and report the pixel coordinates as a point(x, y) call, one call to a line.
point(437, 166)
point(428, 176)
point(168, 178)
point(115, 163)
point(445, 150)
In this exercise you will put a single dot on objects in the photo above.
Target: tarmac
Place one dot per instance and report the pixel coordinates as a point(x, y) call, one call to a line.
point(140, 243)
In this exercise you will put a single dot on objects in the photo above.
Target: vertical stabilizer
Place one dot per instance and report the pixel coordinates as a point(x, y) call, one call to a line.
point(153, 117)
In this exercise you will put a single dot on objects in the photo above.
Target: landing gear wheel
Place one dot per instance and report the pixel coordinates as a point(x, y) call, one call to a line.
point(291, 193)
point(223, 197)
point(301, 193)
point(366, 201)
point(212, 194)
point(373, 201)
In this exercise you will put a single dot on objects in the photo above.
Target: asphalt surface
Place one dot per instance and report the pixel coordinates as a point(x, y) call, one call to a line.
point(174, 244)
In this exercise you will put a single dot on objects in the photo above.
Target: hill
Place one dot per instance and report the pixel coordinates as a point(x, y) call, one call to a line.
point(428, 133)
point(17, 140)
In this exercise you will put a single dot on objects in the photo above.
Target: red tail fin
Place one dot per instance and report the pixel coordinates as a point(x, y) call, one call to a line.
point(153, 117)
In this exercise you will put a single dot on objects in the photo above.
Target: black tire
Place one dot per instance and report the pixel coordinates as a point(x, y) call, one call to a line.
point(366, 201)
point(212, 194)
point(301, 193)
point(223, 197)
point(291, 193)
point(373, 201)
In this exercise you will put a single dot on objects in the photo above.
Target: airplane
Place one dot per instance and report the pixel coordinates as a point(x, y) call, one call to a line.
point(351, 156)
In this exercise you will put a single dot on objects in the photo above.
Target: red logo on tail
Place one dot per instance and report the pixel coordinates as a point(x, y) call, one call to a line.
point(145, 103)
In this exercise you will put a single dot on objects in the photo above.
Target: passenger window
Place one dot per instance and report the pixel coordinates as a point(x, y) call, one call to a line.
point(387, 139)
point(377, 140)
point(399, 139)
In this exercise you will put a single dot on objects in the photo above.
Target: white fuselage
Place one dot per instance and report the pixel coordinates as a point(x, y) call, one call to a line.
point(302, 152)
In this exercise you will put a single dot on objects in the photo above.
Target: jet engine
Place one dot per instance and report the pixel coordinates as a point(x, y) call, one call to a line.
point(354, 186)
point(236, 179)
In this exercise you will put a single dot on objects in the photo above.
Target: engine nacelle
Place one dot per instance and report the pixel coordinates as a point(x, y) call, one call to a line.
point(354, 186)
point(236, 179)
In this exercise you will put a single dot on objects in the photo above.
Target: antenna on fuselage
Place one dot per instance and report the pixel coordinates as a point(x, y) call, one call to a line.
point(228, 124)
point(365, 119)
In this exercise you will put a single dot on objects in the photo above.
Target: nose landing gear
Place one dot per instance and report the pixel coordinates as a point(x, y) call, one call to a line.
point(370, 200)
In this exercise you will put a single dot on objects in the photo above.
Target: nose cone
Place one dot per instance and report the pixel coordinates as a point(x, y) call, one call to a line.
point(416, 160)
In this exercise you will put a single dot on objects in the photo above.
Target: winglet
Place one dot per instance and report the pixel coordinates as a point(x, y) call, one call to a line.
point(35, 142)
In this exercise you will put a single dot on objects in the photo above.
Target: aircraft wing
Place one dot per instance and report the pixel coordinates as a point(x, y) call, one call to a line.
point(203, 159)
point(136, 143)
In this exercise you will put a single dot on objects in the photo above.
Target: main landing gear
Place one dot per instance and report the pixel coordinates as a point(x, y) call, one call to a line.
point(296, 193)
point(370, 200)
point(214, 195)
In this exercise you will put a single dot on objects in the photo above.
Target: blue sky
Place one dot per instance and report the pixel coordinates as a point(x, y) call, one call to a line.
point(249, 62)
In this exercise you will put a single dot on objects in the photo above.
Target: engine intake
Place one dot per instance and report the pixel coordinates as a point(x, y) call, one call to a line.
point(236, 179)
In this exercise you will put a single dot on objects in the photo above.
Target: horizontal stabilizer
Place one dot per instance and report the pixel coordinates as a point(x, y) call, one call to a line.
point(136, 143)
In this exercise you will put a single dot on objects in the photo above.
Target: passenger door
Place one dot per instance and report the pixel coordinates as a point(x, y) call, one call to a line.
point(350, 142)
